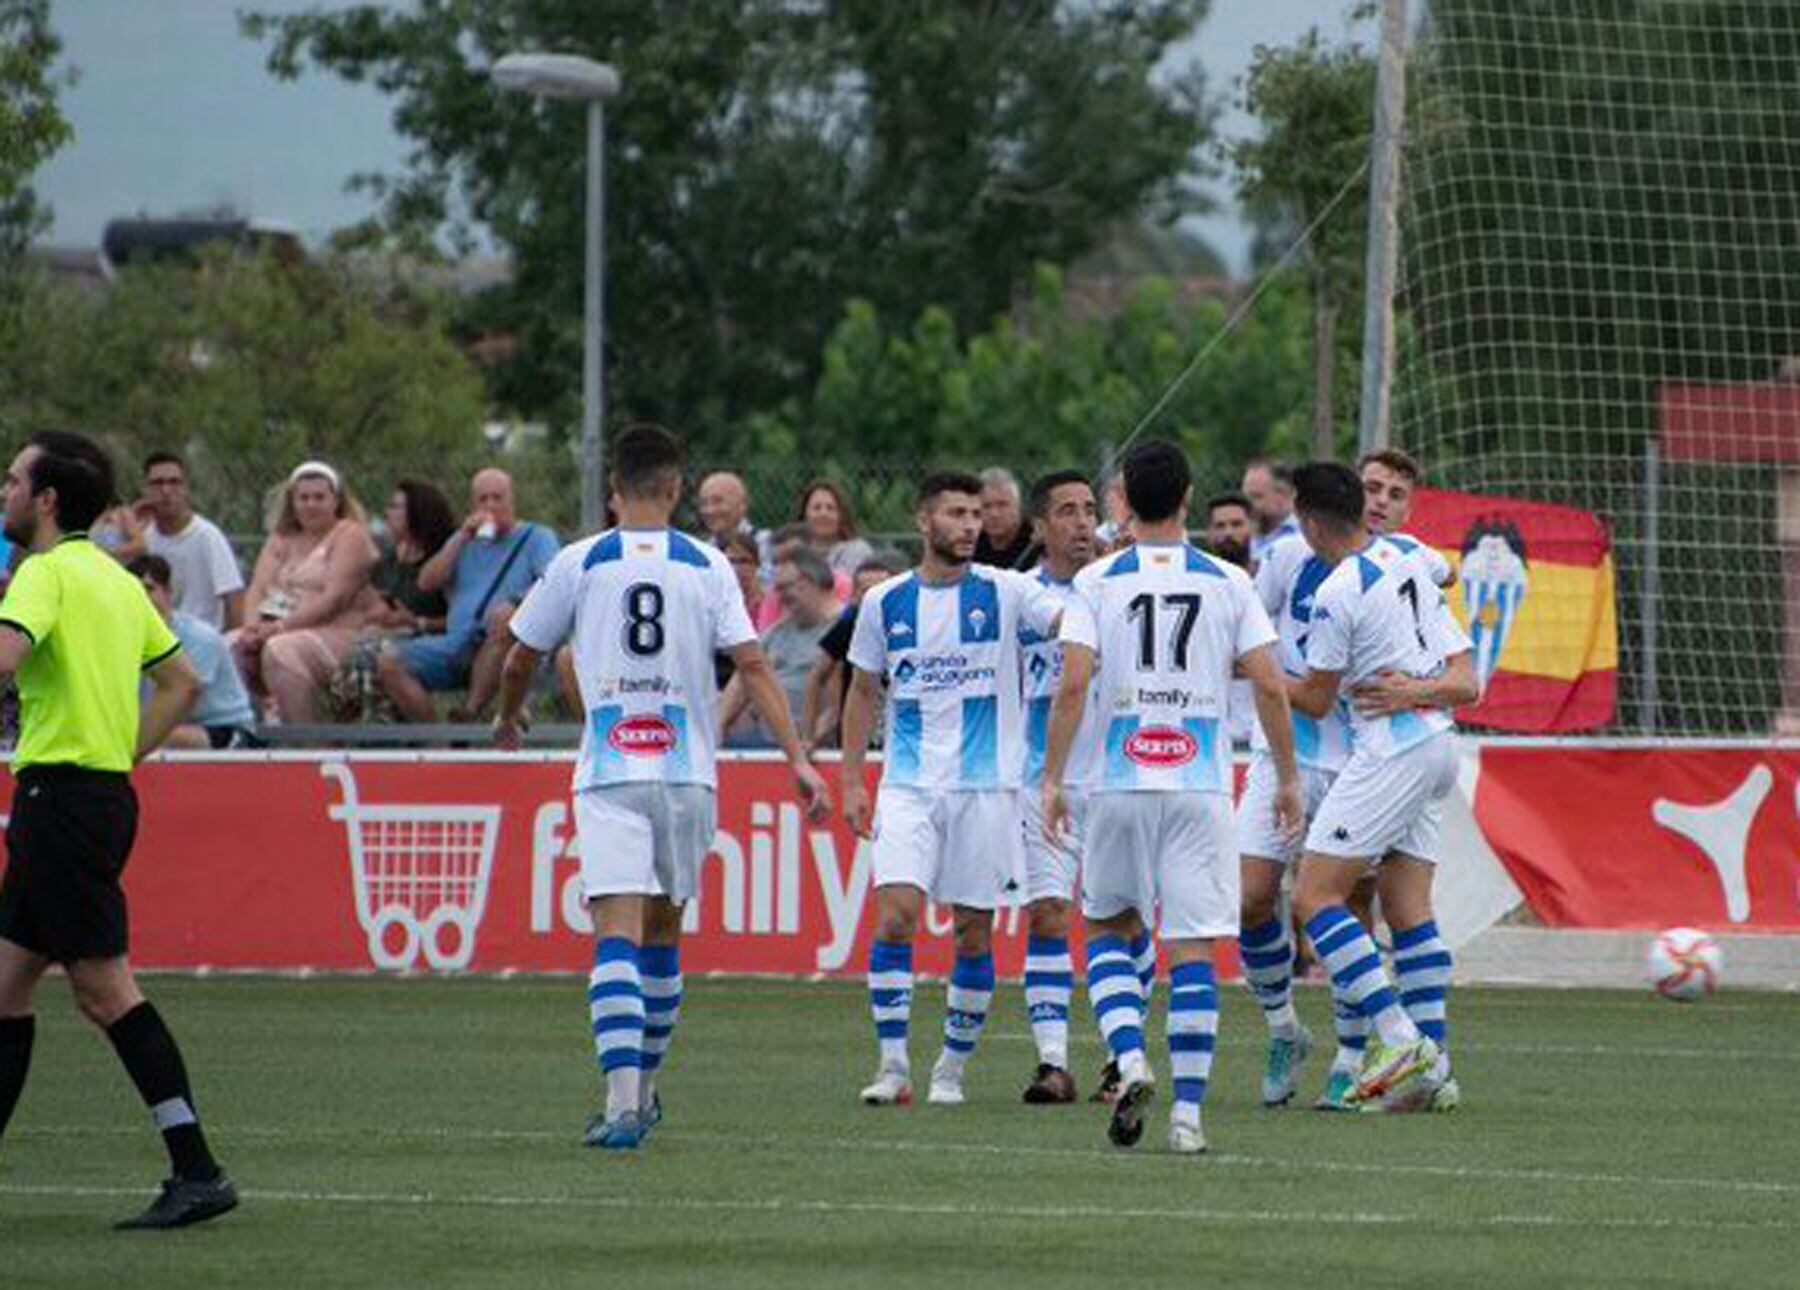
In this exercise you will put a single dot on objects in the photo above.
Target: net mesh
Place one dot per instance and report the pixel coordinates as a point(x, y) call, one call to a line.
point(1599, 307)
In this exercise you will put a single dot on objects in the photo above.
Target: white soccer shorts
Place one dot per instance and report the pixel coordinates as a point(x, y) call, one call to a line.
point(1051, 868)
point(1173, 857)
point(1388, 805)
point(959, 848)
point(644, 839)
point(1257, 834)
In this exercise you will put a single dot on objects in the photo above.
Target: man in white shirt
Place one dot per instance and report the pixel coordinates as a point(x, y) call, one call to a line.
point(1382, 633)
point(209, 586)
point(945, 639)
point(1270, 487)
point(1156, 632)
point(647, 607)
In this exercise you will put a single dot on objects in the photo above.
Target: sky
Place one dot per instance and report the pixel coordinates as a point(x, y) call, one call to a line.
point(173, 110)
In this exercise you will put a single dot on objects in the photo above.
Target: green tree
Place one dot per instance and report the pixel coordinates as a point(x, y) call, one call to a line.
point(32, 126)
point(1313, 102)
point(769, 161)
point(248, 366)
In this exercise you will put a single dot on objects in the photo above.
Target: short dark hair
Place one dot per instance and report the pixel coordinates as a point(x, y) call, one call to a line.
point(1330, 493)
point(809, 564)
point(153, 567)
point(1236, 499)
point(1048, 484)
point(1401, 463)
point(80, 472)
point(1157, 479)
point(645, 456)
point(939, 482)
point(163, 457)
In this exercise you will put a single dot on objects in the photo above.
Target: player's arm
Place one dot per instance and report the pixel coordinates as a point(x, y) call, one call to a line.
point(174, 689)
point(732, 702)
point(1315, 694)
point(541, 623)
point(516, 675)
point(860, 707)
point(758, 682)
point(1269, 688)
point(1391, 692)
point(821, 684)
point(1066, 712)
point(15, 647)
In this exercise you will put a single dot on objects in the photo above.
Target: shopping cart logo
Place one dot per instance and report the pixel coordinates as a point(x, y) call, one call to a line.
point(420, 874)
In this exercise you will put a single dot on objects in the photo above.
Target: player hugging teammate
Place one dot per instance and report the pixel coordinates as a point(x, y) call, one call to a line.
point(1124, 668)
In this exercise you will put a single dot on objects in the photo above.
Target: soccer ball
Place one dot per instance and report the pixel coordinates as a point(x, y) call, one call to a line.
point(1684, 964)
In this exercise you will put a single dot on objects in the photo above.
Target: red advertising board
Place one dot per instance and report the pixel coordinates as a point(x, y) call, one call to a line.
point(468, 863)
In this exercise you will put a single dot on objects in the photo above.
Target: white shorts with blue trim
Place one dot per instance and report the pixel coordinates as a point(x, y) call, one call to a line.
point(1257, 835)
point(1051, 868)
point(644, 839)
point(959, 848)
point(1171, 856)
point(1381, 806)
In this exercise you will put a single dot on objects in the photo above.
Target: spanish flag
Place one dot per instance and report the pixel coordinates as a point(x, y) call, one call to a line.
point(1534, 588)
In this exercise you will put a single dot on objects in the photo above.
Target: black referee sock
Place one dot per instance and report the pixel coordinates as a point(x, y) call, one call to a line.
point(15, 1060)
point(154, 1063)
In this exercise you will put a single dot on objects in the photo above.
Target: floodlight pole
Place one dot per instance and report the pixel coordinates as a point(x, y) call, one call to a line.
point(1382, 265)
point(593, 378)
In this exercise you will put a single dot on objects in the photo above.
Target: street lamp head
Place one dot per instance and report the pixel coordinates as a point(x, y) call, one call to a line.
point(556, 76)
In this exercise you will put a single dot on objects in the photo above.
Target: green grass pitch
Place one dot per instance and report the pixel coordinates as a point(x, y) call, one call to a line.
point(393, 1133)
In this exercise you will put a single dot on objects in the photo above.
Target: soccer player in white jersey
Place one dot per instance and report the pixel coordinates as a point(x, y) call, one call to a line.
point(1381, 632)
point(1166, 626)
point(1064, 518)
point(945, 639)
point(648, 608)
point(1287, 582)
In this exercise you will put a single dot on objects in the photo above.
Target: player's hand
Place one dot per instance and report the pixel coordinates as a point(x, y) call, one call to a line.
point(856, 810)
point(1290, 809)
point(1386, 694)
point(814, 794)
point(1056, 813)
point(509, 732)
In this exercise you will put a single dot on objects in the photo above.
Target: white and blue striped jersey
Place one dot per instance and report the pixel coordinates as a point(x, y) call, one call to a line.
point(950, 655)
point(1263, 543)
point(1167, 624)
point(1379, 611)
point(648, 609)
point(1287, 580)
point(1041, 666)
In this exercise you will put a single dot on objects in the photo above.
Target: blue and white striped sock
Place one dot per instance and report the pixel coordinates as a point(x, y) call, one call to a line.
point(1268, 954)
point(1049, 983)
point(616, 1009)
point(890, 1000)
point(659, 968)
point(1117, 996)
point(1422, 972)
point(1357, 973)
point(1193, 1031)
point(1352, 1035)
point(1143, 958)
point(966, 1007)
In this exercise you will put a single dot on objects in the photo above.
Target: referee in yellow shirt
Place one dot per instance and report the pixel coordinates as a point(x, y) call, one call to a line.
point(79, 632)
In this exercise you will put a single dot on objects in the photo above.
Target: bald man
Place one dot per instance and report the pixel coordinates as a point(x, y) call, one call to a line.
point(484, 568)
point(724, 505)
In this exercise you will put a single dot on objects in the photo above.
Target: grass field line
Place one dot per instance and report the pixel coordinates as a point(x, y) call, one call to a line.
point(1467, 1173)
point(1028, 1213)
point(1243, 1040)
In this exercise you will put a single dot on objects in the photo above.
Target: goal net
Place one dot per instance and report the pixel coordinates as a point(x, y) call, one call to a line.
point(1599, 308)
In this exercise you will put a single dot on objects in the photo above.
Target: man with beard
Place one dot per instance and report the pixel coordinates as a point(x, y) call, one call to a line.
point(1230, 525)
point(945, 639)
point(78, 631)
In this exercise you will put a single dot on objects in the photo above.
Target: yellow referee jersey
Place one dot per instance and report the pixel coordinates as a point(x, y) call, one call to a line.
point(93, 630)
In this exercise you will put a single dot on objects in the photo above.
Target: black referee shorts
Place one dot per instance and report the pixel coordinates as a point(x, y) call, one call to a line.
point(66, 847)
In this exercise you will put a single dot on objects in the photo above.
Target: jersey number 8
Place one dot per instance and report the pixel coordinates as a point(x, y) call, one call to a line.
point(643, 619)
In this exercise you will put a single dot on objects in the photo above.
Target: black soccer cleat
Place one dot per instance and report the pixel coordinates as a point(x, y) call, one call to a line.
point(1127, 1125)
point(1109, 1085)
point(184, 1202)
point(1052, 1085)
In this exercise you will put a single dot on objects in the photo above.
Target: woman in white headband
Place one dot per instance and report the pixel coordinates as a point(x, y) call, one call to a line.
point(309, 595)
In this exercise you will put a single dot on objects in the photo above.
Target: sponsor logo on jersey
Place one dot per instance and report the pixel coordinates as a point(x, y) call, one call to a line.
point(1161, 748)
point(905, 672)
point(899, 629)
point(643, 737)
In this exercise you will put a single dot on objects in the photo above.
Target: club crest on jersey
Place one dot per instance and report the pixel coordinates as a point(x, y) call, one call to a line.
point(977, 618)
point(1161, 748)
point(642, 737)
